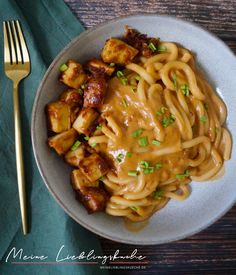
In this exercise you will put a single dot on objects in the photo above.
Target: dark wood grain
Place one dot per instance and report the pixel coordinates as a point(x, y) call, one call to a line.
point(213, 251)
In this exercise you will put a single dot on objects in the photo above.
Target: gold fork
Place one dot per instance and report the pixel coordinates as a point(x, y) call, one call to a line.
point(17, 67)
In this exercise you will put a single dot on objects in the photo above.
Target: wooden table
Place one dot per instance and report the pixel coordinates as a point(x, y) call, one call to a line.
point(213, 251)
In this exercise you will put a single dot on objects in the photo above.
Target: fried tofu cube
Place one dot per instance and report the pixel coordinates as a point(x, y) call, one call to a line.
point(118, 52)
point(62, 142)
point(94, 92)
point(74, 157)
point(72, 97)
point(85, 119)
point(98, 67)
point(93, 167)
point(78, 180)
point(74, 76)
point(58, 114)
point(94, 199)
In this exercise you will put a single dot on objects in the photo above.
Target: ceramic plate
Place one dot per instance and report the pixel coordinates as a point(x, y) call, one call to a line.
point(208, 201)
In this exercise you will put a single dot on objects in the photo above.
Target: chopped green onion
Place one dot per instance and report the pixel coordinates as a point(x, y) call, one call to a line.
point(157, 194)
point(185, 89)
point(152, 47)
point(63, 67)
point(124, 102)
point(129, 154)
point(158, 113)
point(144, 164)
point(120, 157)
point(148, 170)
point(99, 127)
point(82, 86)
point(143, 141)
point(183, 175)
point(94, 144)
point(133, 173)
point(75, 145)
point(119, 74)
point(167, 121)
point(137, 133)
point(124, 80)
point(158, 166)
point(134, 208)
point(203, 119)
point(163, 109)
point(137, 77)
point(161, 49)
point(112, 65)
point(80, 91)
point(175, 80)
point(156, 142)
point(86, 138)
point(102, 178)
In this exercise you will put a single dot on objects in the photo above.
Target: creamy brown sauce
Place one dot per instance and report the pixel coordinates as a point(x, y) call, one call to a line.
point(136, 116)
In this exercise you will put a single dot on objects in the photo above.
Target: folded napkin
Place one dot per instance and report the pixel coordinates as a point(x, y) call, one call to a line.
point(48, 26)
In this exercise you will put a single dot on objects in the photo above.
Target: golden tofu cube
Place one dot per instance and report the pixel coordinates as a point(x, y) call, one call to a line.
point(98, 67)
point(72, 97)
point(118, 52)
point(62, 142)
point(94, 199)
point(74, 157)
point(78, 180)
point(58, 114)
point(86, 118)
point(74, 76)
point(93, 167)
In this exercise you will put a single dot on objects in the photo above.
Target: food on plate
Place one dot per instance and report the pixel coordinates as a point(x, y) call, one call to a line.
point(137, 125)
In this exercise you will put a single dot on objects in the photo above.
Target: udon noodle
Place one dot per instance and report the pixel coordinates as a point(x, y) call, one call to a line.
point(166, 128)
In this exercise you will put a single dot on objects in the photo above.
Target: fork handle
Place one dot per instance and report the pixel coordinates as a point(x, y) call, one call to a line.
point(19, 158)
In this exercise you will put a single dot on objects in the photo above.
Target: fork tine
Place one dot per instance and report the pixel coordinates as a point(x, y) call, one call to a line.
point(17, 43)
point(25, 54)
point(7, 55)
point(12, 46)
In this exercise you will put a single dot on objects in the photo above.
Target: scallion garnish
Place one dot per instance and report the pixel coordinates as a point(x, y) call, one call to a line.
point(82, 86)
point(185, 89)
point(161, 49)
point(112, 65)
point(137, 77)
point(158, 166)
point(124, 102)
point(133, 173)
point(63, 67)
point(86, 138)
point(99, 127)
point(94, 144)
point(134, 208)
point(144, 164)
point(120, 157)
point(137, 133)
point(75, 145)
point(152, 47)
point(183, 175)
point(157, 194)
point(203, 119)
point(143, 141)
point(174, 78)
point(102, 178)
point(156, 142)
point(119, 74)
point(167, 121)
point(129, 154)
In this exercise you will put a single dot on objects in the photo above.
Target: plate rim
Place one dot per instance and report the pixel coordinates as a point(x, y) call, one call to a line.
point(33, 139)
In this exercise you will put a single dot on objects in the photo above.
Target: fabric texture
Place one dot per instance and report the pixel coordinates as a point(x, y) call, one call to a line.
point(48, 26)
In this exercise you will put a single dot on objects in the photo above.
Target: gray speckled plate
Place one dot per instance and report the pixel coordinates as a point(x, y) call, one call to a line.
point(208, 201)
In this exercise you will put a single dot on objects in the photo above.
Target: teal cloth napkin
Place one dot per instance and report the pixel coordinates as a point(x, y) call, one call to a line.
point(48, 26)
